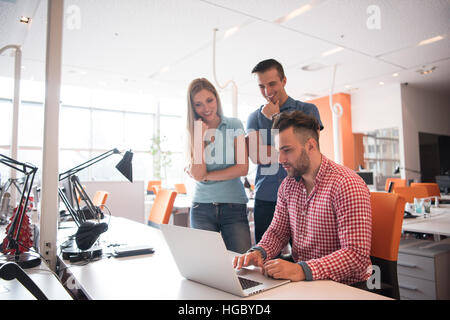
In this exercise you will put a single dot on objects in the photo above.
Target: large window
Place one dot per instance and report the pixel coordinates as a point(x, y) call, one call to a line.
point(381, 153)
point(92, 122)
point(90, 129)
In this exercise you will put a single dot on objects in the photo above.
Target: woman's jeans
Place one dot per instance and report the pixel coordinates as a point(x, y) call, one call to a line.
point(230, 219)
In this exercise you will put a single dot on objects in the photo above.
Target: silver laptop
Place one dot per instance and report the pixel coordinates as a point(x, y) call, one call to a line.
point(201, 256)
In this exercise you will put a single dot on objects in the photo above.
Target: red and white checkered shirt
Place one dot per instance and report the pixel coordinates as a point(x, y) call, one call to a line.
point(330, 228)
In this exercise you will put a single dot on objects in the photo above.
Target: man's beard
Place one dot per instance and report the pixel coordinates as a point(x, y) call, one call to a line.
point(301, 166)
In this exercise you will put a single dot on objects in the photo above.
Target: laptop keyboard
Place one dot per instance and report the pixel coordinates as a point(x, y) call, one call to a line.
point(247, 283)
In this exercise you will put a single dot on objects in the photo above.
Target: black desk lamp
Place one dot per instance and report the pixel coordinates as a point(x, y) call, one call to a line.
point(10, 271)
point(25, 260)
point(397, 170)
point(88, 232)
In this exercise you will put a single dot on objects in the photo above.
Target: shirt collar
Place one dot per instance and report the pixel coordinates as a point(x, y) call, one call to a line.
point(322, 169)
point(223, 122)
point(320, 174)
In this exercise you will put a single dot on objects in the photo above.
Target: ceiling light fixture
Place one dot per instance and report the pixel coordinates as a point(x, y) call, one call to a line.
point(430, 40)
point(24, 19)
point(231, 31)
point(310, 95)
point(381, 83)
point(294, 13)
point(313, 67)
point(332, 51)
point(395, 74)
point(165, 69)
point(425, 71)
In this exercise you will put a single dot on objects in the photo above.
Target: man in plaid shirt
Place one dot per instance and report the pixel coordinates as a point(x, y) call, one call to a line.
point(322, 206)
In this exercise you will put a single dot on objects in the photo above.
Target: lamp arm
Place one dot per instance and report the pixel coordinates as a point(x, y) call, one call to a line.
point(10, 271)
point(79, 188)
point(71, 210)
point(14, 164)
point(86, 164)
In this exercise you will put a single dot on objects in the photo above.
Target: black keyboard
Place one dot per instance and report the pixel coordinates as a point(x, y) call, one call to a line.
point(247, 283)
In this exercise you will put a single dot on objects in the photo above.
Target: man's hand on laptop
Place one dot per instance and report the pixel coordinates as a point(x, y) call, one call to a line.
point(282, 269)
point(253, 258)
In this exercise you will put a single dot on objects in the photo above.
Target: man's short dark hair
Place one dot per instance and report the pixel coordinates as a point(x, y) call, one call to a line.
point(302, 123)
point(265, 65)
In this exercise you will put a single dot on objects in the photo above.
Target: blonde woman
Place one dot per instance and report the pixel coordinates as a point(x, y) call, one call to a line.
point(218, 158)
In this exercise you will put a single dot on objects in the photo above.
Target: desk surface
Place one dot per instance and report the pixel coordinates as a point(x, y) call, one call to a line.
point(41, 275)
point(438, 223)
point(44, 279)
point(155, 276)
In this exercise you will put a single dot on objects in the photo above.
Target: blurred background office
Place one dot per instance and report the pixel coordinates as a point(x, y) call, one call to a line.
point(127, 64)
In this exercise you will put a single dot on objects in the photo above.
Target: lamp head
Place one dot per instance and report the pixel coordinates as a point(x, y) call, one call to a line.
point(397, 170)
point(125, 167)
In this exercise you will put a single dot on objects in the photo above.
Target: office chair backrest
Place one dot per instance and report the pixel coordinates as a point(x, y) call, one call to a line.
point(397, 183)
point(161, 208)
point(409, 193)
point(180, 188)
point(156, 188)
point(99, 199)
point(152, 183)
point(432, 188)
point(387, 219)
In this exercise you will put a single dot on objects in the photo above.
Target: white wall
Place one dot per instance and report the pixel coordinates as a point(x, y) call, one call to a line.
point(379, 108)
point(376, 108)
point(125, 199)
point(423, 111)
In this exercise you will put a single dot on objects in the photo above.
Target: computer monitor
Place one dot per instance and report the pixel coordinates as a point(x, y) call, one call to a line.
point(443, 183)
point(68, 191)
point(367, 176)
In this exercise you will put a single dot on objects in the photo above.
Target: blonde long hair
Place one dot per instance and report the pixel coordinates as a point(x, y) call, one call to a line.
point(195, 87)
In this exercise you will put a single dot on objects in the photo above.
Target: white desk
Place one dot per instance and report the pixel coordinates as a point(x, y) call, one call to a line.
point(438, 223)
point(44, 279)
point(41, 275)
point(155, 276)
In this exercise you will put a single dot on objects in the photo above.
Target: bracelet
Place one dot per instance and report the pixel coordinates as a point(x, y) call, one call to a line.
point(275, 114)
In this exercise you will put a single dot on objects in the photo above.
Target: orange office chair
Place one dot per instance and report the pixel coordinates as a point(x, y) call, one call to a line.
point(156, 189)
point(409, 193)
point(99, 199)
point(432, 188)
point(397, 183)
point(387, 219)
point(180, 188)
point(150, 185)
point(161, 208)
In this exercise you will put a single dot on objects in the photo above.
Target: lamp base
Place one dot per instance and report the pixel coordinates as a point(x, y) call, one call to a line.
point(73, 254)
point(25, 260)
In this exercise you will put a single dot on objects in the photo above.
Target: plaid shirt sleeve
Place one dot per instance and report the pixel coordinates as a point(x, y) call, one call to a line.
point(354, 222)
point(278, 234)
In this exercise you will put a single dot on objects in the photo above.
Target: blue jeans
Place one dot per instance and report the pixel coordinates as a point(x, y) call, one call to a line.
point(230, 219)
point(263, 215)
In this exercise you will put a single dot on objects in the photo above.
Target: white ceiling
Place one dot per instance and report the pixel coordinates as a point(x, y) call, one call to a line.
point(124, 45)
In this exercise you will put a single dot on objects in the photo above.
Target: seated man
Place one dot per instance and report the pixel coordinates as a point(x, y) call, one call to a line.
point(323, 206)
